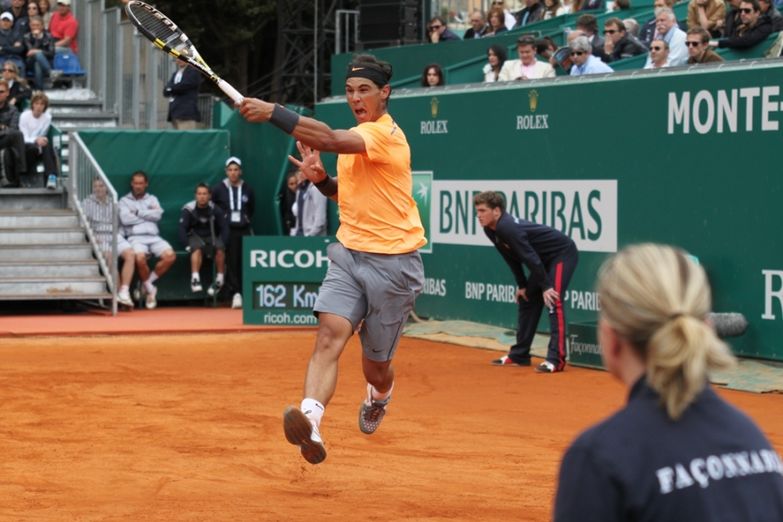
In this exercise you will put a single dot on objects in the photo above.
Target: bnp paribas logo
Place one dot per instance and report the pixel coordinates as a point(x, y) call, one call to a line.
point(532, 121)
point(422, 194)
point(434, 125)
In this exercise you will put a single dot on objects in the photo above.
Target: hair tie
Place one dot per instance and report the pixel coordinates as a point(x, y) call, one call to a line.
point(676, 315)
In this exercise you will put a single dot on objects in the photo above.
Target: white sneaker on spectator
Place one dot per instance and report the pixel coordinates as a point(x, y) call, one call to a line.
point(51, 182)
point(123, 297)
point(237, 301)
point(195, 285)
point(151, 302)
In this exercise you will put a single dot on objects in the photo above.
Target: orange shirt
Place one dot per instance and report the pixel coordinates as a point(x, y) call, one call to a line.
point(377, 212)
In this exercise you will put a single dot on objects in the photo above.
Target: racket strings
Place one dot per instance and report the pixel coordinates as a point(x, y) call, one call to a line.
point(159, 28)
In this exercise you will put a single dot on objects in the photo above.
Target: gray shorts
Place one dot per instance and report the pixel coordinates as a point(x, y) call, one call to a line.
point(154, 245)
point(376, 291)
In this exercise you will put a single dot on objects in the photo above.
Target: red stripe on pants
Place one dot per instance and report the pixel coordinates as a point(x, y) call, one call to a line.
point(560, 317)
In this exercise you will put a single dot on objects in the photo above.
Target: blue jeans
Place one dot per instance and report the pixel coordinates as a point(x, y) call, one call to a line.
point(41, 68)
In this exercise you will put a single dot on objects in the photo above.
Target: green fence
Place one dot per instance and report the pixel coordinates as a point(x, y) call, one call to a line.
point(687, 158)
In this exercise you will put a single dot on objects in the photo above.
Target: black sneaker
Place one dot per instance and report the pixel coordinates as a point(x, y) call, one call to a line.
point(371, 413)
point(506, 361)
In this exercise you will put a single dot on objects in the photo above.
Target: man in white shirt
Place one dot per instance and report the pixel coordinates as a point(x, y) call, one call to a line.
point(527, 67)
point(666, 29)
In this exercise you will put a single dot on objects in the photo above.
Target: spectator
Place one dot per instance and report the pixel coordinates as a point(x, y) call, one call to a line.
point(546, 48)
point(236, 200)
point(618, 44)
point(621, 5)
point(204, 233)
point(530, 14)
point(11, 46)
point(46, 12)
point(732, 20)
point(98, 211)
point(140, 213)
point(11, 141)
point(592, 5)
point(439, 32)
point(496, 23)
point(287, 199)
point(659, 55)
point(770, 11)
point(632, 27)
point(588, 24)
point(553, 8)
point(64, 28)
point(39, 51)
point(666, 29)
point(21, 20)
point(182, 90)
point(583, 60)
point(478, 26)
point(562, 56)
point(647, 31)
point(707, 14)
point(309, 209)
point(526, 67)
point(432, 76)
point(34, 124)
point(19, 92)
point(509, 20)
point(752, 30)
point(496, 57)
point(698, 42)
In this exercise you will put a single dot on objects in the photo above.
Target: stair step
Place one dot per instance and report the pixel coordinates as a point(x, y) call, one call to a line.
point(33, 236)
point(46, 252)
point(11, 222)
point(52, 296)
point(49, 269)
point(52, 286)
point(32, 198)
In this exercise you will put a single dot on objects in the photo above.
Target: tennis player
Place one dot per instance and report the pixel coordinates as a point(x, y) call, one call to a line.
point(376, 271)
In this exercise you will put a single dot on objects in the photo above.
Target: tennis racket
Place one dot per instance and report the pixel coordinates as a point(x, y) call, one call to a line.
point(165, 34)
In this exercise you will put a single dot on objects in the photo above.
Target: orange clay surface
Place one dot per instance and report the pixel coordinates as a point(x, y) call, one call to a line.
point(188, 427)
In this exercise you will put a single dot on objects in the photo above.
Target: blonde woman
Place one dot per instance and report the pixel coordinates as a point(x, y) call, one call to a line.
point(676, 451)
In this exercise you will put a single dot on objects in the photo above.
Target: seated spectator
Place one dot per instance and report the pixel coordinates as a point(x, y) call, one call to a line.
point(562, 56)
point(438, 32)
point(21, 20)
point(591, 5)
point(11, 46)
point(531, 13)
point(140, 213)
point(46, 12)
point(588, 24)
point(546, 48)
point(432, 76)
point(98, 211)
point(496, 57)
point(632, 27)
point(752, 30)
point(707, 14)
point(583, 59)
point(668, 31)
point(309, 209)
point(496, 23)
point(732, 20)
point(553, 8)
point(13, 161)
point(621, 5)
point(618, 44)
point(287, 198)
point(659, 55)
point(698, 42)
point(64, 28)
point(478, 26)
point(39, 51)
point(526, 67)
point(204, 232)
point(648, 30)
point(509, 20)
point(19, 93)
point(34, 124)
point(771, 12)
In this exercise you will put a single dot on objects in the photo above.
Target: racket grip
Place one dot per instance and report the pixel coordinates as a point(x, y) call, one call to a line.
point(230, 91)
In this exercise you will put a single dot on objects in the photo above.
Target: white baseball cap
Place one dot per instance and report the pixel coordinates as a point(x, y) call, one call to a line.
point(233, 159)
point(7, 16)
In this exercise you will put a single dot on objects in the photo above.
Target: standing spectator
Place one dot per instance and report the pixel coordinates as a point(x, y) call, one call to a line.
point(11, 46)
point(478, 26)
point(64, 28)
point(618, 44)
point(752, 30)
point(496, 23)
point(432, 76)
point(204, 233)
point(676, 450)
point(770, 11)
point(11, 141)
point(287, 200)
point(98, 211)
point(659, 55)
point(553, 8)
point(496, 57)
point(550, 257)
point(309, 209)
point(182, 90)
point(19, 91)
point(707, 14)
point(526, 67)
point(530, 14)
point(21, 20)
point(438, 32)
point(34, 124)
point(236, 200)
point(39, 50)
point(140, 213)
point(588, 24)
point(698, 42)
point(583, 60)
point(46, 12)
point(666, 29)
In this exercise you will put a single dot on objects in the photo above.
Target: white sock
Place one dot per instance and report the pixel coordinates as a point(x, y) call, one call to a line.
point(378, 396)
point(152, 278)
point(194, 275)
point(219, 277)
point(313, 410)
point(124, 288)
point(148, 283)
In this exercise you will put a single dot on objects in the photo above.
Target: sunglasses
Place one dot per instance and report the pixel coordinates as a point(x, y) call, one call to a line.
point(577, 53)
point(8, 70)
point(3, 92)
point(435, 26)
point(610, 31)
point(656, 48)
point(746, 10)
point(693, 44)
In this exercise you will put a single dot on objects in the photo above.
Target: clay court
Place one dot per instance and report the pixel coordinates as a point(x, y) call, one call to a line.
point(187, 426)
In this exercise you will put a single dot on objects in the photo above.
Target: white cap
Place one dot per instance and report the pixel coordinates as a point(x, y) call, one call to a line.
point(64, 2)
point(233, 159)
point(7, 16)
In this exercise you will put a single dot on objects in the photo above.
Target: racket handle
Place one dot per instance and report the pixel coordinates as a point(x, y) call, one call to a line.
point(230, 91)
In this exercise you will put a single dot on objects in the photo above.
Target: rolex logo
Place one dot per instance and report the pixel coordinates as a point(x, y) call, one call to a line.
point(434, 107)
point(533, 98)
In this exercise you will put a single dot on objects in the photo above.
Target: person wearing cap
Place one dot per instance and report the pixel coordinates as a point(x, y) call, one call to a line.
point(237, 202)
point(376, 271)
point(182, 91)
point(64, 28)
point(11, 45)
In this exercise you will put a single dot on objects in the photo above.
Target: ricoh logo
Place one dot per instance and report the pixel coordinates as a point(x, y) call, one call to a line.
point(288, 259)
point(731, 111)
point(773, 293)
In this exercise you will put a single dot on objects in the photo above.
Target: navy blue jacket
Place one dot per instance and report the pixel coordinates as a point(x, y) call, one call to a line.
point(713, 464)
point(196, 220)
point(222, 200)
point(524, 242)
point(184, 95)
